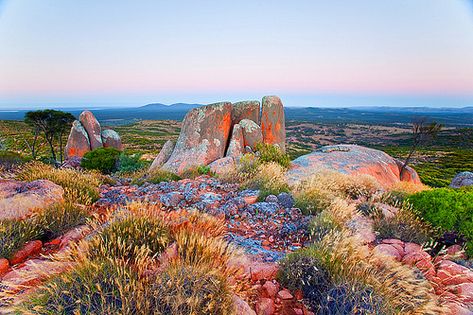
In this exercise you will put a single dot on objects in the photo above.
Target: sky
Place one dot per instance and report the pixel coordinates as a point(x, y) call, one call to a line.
point(73, 53)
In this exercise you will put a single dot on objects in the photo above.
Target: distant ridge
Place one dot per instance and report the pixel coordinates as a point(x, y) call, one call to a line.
point(172, 107)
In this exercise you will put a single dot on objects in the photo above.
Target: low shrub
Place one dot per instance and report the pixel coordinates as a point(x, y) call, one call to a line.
point(14, 234)
point(269, 179)
point(128, 163)
point(404, 225)
point(270, 153)
point(94, 287)
point(159, 176)
point(79, 186)
point(104, 160)
point(303, 271)
point(447, 209)
point(129, 236)
point(9, 159)
point(183, 289)
point(203, 170)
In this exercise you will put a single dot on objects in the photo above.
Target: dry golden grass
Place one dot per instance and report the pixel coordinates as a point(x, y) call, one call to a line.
point(346, 259)
point(317, 193)
point(79, 186)
point(269, 178)
point(408, 188)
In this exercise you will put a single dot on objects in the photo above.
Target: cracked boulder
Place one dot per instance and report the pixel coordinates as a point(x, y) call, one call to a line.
point(92, 127)
point(78, 142)
point(203, 138)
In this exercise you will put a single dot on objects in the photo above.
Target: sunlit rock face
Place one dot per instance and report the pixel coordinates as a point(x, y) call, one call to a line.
point(92, 126)
point(78, 142)
point(203, 138)
point(350, 159)
point(273, 123)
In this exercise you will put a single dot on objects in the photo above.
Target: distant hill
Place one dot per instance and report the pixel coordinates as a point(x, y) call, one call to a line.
point(172, 107)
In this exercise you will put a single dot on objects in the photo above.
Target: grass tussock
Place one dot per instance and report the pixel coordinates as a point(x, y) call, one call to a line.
point(316, 193)
point(94, 287)
point(400, 287)
point(269, 178)
point(46, 224)
point(14, 234)
point(405, 225)
point(184, 289)
point(79, 186)
point(129, 236)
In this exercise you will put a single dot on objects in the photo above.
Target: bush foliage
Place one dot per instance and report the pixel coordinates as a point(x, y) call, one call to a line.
point(270, 153)
point(105, 160)
point(447, 209)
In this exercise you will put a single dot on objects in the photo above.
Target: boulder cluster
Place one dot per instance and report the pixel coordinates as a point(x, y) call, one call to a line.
point(220, 133)
point(87, 135)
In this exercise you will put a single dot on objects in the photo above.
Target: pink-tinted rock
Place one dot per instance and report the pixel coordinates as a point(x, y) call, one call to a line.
point(223, 166)
point(78, 142)
point(388, 250)
point(74, 235)
point(4, 266)
point(163, 156)
point(246, 110)
point(457, 309)
point(92, 127)
point(270, 289)
point(19, 199)
point(265, 306)
point(453, 268)
point(263, 271)
point(273, 123)
point(250, 199)
point(465, 291)
point(30, 249)
point(111, 139)
point(203, 138)
point(236, 147)
point(347, 159)
point(392, 241)
point(285, 295)
point(251, 133)
point(241, 307)
point(408, 174)
point(412, 248)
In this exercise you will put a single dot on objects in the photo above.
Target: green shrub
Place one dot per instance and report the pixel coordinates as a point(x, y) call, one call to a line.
point(189, 289)
point(94, 287)
point(447, 209)
point(303, 271)
point(128, 163)
point(203, 170)
point(57, 219)
point(127, 237)
point(404, 225)
point(159, 176)
point(270, 153)
point(104, 160)
point(10, 159)
point(14, 234)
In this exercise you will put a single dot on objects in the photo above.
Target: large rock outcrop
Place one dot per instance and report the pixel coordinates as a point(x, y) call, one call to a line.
point(212, 132)
point(273, 122)
point(92, 126)
point(203, 138)
point(19, 199)
point(86, 135)
point(78, 142)
point(350, 159)
point(163, 156)
point(246, 110)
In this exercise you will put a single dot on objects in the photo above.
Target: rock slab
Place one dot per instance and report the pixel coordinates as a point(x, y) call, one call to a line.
point(162, 156)
point(348, 159)
point(251, 133)
point(78, 142)
point(19, 199)
point(246, 110)
point(92, 126)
